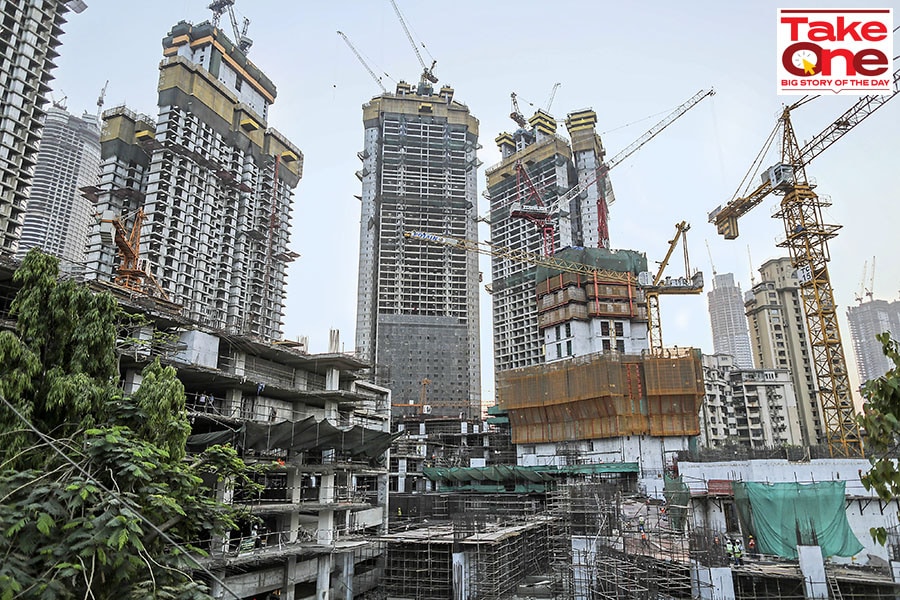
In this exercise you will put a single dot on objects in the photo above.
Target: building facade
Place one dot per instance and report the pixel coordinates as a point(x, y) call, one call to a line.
point(537, 168)
point(31, 31)
point(59, 217)
point(728, 321)
point(208, 186)
point(780, 340)
point(867, 320)
point(578, 316)
point(754, 408)
point(417, 307)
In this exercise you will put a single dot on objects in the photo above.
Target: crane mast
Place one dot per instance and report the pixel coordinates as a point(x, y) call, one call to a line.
point(806, 239)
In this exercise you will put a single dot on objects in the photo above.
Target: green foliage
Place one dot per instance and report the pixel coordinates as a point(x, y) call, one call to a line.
point(63, 534)
point(881, 422)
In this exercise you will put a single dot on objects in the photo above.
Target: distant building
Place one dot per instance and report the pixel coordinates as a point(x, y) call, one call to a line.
point(780, 339)
point(728, 321)
point(59, 217)
point(867, 320)
point(754, 408)
point(30, 37)
point(210, 180)
point(417, 319)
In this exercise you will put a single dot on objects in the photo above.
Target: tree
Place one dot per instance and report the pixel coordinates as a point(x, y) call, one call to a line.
point(881, 422)
point(96, 497)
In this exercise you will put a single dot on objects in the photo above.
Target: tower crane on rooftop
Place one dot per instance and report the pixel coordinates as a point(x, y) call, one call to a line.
point(516, 114)
point(427, 72)
point(806, 238)
point(653, 286)
point(544, 215)
point(362, 61)
point(552, 96)
point(218, 8)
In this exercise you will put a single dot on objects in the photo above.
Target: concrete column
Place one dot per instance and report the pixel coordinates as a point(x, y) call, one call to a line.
point(812, 568)
point(711, 583)
point(133, 380)
point(323, 581)
point(292, 522)
point(325, 533)
point(216, 590)
point(232, 403)
point(287, 587)
point(348, 575)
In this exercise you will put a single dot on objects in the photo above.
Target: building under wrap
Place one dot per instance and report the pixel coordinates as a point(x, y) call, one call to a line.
point(604, 396)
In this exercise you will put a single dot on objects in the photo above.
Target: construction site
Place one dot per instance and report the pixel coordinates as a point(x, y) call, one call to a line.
point(611, 466)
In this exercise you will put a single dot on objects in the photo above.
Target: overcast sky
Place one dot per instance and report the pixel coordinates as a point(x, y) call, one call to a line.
point(632, 62)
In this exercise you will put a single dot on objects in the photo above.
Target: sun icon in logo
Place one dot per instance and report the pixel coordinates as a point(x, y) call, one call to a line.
point(806, 60)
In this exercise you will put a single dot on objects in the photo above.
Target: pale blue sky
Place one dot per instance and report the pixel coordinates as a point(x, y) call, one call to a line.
point(632, 62)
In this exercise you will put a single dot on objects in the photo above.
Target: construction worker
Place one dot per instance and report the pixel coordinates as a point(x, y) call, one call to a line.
point(641, 523)
point(738, 550)
point(751, 547)
point(729, 549)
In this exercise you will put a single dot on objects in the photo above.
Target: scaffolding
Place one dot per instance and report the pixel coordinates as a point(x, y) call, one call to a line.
point(486, 548)
point(609, 395)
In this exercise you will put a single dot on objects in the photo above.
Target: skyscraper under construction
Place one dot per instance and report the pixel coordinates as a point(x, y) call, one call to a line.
point(206, 188)
point(538, 168)
point(417, 317)
point(29, 37)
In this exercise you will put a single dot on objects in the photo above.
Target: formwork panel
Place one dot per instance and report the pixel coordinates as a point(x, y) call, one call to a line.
point(602, 396)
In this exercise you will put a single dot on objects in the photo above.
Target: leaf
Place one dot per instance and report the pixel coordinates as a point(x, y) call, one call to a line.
point(45, 523)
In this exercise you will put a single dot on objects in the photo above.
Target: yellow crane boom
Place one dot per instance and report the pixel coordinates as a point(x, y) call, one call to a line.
point(806, 238)
point(653, 288)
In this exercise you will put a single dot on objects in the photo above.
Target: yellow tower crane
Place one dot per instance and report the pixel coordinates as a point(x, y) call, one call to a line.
point(652, 286)
point(689, 284)
point(806, 238)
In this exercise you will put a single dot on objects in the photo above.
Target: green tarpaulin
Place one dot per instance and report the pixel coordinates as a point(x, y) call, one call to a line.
point(784, 515)
point(678, 496)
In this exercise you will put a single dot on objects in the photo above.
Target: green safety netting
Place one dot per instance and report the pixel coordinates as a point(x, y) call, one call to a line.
point(784, 515)
point(298, 436)
point(677, 496)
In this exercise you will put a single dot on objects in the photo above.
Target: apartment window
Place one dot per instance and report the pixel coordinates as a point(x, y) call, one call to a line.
point(620, 329)
point(568, 330)
point(569, 348)
point(558, 336)
point(604, 328)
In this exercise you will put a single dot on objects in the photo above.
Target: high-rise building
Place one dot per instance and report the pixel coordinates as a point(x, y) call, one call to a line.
point(417, 318)
point(59, 217)
point(867, 320)
point(208, 183)
point(728, 321)
point(30, 33)
point(755, 408)
point(539, 166)
point(780, 339)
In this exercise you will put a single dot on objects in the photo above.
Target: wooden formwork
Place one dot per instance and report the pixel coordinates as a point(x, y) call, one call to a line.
point(604, 395)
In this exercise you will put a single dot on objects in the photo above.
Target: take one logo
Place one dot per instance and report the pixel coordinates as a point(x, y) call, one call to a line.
point(834, 51)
